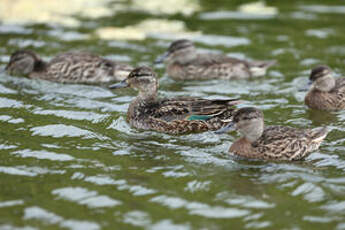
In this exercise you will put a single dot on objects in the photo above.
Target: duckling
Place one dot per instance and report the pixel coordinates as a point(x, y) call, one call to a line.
point(70, 67)
point(326, 93)
point(184, 63)
point(278, 143)
point(172, 115)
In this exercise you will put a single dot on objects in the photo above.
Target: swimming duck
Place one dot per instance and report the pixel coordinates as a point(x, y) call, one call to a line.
point(70, 67)
point(172, 115)
point(184, 63)
point(326, 93)
point(271, 142)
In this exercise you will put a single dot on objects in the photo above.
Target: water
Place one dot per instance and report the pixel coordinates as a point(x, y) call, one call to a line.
point(69, 160)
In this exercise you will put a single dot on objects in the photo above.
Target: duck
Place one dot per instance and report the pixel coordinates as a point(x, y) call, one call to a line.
point(325, 92)
point(277, 143)
point(180, 115)
point(68, 67)
point(183, 62)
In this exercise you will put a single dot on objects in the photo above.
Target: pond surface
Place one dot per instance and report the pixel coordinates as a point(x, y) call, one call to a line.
point(69, 160)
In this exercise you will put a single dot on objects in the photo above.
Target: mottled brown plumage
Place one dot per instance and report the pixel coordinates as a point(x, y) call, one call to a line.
point(70, 67)
point(184, 63)
point(326, 93)
point(272, 142)
point(174, 115)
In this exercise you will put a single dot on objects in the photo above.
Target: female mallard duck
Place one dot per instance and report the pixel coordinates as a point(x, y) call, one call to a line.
point(326, 93)
point(271, 142)
point(174, 115)
point(184, 63)
point(70, 67)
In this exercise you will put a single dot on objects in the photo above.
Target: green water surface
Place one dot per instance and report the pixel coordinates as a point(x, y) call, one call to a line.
point(69, 160)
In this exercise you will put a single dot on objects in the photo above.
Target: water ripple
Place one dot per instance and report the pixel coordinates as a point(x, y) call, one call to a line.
point(41, 154)
point(10, 203)
point(60, 130)
point(10, 103)
point(85, 197)
point(196, 208)
point(70, 160)
point(51, 218)
point(73, 115)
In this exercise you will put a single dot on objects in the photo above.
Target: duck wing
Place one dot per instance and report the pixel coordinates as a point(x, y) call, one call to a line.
point(216, 59)
point(339, 84)
point(287, 143)
point(85, 67)
point(338, 94)
point(76, 57)
point(189, 108)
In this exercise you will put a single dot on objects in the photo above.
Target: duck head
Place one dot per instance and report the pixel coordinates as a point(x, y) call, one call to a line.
point(23, 62)
point(143, 79)
point(181, 51)
point(321, 78)
point(248, 121)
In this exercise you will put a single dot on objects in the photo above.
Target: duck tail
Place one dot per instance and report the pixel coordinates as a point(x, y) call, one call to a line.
point(263, 64)
point(232, 102)
point(259, 68)
point(318, 134)
point(121, 71)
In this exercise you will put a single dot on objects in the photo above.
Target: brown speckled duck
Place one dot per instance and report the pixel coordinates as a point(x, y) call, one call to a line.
point(70, 67)
point(174, 115)
point(326, 93)
point(278, 143)
point(184, 63)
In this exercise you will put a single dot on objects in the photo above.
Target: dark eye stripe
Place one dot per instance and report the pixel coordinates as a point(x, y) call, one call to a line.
point(140, 75)
point(247, 114)
point(141, 72)
point(319, 71)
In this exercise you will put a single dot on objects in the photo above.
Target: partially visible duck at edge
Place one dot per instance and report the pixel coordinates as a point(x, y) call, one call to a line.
point(326, 92)
point(183, 62)
point(69, 67)
point(172, 115)
point(278, 143)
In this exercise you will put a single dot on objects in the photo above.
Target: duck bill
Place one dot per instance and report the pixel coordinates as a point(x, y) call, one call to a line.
point(122, 84)
point(306, 88)
point(229, 127)
point(160, 59)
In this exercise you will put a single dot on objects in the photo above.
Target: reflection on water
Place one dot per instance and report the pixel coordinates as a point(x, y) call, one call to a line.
point(254, 10)
point(321, 117)
point(52, 11)
point(144, 29)
point(69, 159)
point(321, 33)
point(258, 8)
point(64, 11)
point(185, 7)
point(324, 9)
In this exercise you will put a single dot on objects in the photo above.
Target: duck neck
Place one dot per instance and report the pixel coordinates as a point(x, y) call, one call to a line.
point(142, 100)
point(135, 109)
point(185, 56)
point(325, 84)
point(242, 148)
point(253, 131)
point(253, 136)
point(147, 95)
